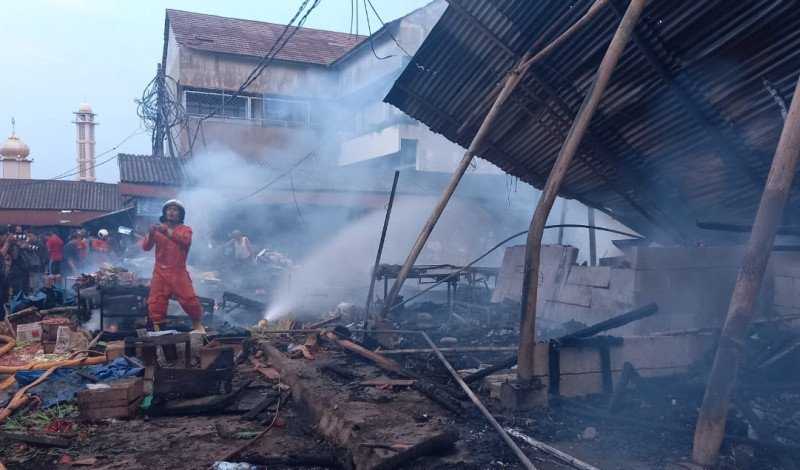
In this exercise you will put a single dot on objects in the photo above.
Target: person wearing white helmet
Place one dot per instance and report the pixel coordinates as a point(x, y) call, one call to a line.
point(99, 248)
point(172, 240)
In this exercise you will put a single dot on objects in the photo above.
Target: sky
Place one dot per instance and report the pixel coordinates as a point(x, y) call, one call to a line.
point(56, 54)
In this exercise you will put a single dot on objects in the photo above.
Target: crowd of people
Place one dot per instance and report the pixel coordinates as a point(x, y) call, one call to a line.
point(28, 256)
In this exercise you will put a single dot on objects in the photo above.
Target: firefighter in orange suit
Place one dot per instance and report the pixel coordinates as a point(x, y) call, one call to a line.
point(172, 240)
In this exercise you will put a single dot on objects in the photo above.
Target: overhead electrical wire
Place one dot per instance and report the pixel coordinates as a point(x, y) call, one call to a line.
point(275, 180)
point(75, 170)
point(383, 23)
point(285, 36)
point(369, 38)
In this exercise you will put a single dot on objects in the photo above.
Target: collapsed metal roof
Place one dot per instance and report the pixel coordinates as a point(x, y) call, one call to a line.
point(685, 132)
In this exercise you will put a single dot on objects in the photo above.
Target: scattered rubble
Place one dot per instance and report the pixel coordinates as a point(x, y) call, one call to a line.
point(424, 389)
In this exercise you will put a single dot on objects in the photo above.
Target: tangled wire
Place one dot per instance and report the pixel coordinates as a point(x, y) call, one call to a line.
point(161, 111)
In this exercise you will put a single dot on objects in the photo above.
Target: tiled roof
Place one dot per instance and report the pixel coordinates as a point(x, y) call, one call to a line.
point(59, 195)
point(255, 38)
point(145, 169)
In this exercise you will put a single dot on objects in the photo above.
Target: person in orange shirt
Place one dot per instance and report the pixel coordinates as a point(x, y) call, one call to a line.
point(172, 240)
point(99, 247)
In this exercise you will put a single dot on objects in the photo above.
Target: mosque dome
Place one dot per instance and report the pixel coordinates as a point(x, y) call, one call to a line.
point(14, 148)
point(84, 108)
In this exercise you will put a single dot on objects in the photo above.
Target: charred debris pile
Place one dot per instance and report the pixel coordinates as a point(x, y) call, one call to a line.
point(427, 384)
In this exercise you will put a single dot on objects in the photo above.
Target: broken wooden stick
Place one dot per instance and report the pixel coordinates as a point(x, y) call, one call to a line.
point(427, 388)
point(613, 322)
point(382, 362)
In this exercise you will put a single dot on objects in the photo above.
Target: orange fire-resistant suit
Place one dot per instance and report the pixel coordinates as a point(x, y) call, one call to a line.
point(170, 277)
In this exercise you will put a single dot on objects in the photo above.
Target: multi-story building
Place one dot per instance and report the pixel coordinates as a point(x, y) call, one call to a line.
point(207, 58)
point(323, 93)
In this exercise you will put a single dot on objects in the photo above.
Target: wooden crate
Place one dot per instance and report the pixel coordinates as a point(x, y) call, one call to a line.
point(120, 400)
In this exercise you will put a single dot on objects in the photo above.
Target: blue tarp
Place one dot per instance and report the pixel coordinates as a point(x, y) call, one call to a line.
point(43, 298)
point(64, 383)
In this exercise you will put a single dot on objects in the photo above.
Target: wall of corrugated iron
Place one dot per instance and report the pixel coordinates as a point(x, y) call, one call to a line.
point(651, 160)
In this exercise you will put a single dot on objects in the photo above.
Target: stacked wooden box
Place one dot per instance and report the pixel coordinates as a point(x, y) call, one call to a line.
point(120, 400)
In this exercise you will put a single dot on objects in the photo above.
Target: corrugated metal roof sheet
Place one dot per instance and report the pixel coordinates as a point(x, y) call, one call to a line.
point(146, 169)
point(58, 195)
point(255, 38)
point(685, 131)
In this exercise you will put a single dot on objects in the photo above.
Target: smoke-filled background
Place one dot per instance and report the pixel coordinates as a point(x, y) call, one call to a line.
point(333, 237)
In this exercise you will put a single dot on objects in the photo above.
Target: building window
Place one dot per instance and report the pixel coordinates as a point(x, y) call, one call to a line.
point(202, 103)
point(286, 112)
point(270, 111)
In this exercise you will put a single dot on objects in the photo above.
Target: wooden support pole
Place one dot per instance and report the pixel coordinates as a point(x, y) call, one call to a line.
point(568, 150)
point(380, 245)
point(710, 429)
point(512, 80)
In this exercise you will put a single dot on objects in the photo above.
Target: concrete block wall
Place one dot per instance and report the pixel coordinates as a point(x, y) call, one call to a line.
point(692, 286)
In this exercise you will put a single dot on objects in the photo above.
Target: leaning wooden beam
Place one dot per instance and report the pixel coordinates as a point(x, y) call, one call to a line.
point(512, 80)
point(593, 11)
point(710, 429)
point(380, 245)
point(533, 249)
